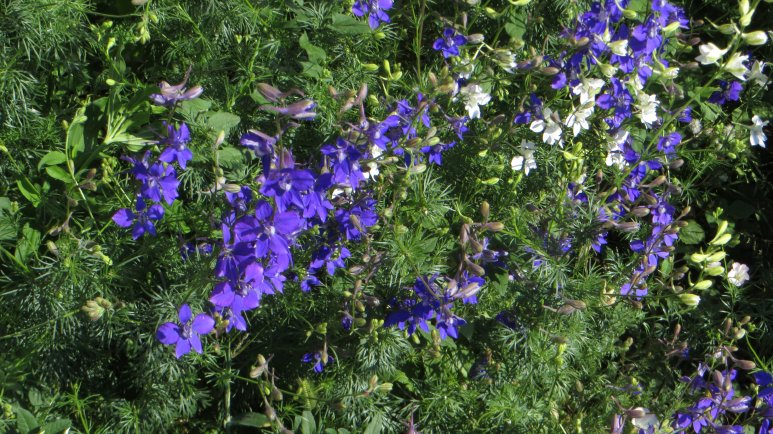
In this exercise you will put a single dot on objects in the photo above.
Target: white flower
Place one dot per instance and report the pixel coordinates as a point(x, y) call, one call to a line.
point(738, 274)
point(615, 154)
point(619, 47)
point(757, 76)
point(474, 96)
point(647, 105)
point(526, 160)
point(372, 167)
point(578, 120)
point(756, 135)
point(710, 53)
point(736, 67)
point(587, 89)
point(550, 129)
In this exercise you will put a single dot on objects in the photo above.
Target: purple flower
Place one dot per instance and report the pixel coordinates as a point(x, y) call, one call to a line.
point(177, 138)
point(355, 221)
point(170, 94)
point(667, 144)
point(729, 92)
point(301, 110)
point(186, 334)
point(141, 220)
point(344, 161)
point(319, 358)
point(159, 181)
point(375, 10)
point(449, 44)
point(617, 98)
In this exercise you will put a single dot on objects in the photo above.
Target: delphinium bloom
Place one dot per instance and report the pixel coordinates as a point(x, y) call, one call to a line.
point(355, 221)
point(757, 137)
point(728, 92)
point(140, 221)
point(449, 44)
point(171, 94)
point(177, 139)
point(301, 110)
point(374, 9)
point(550, 127)
point(186, 333)
point(474, 97)
point(526, 160)
point(320, 359)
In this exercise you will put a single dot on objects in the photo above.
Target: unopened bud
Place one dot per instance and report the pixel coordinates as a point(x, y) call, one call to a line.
point(718, 256)
point(703, 285)
point(371, 67)
point(757, 37)
point(722, 240)
point(746, 365)
point(475, 38)
point(629, 14)
point(690, 300)
point(484, 210)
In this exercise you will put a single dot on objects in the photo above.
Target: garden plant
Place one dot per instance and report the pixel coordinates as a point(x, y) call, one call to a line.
point(386, 216)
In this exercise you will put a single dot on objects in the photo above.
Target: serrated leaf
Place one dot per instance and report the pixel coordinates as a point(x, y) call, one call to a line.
point(255, 420)
point(222, 121)
point(692, 233)
point(57, 427)
point(25, 421)
point(191, 109)
point(348, 25)
point(52, 159)
point(230, 157)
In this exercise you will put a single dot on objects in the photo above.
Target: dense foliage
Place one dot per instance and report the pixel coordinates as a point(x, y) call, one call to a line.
point(385, 216)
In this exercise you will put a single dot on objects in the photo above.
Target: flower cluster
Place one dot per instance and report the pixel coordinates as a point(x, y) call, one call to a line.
point(374, 9)
point(157, 178)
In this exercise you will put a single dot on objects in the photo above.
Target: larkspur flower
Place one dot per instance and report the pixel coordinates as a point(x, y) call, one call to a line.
point(757, 137)
point(728, 92)
point(186, 333)
point(578, 120)
point(177, 139)
point(450, 42)
point(474, 97)
point(735, 65)
point(171, 94)
point(320, 359)
point(374, 9)
point(757, 75)
point(647, 105)
point(141, 221)
point(710, 53)
point(526, 160)
point(549, 127)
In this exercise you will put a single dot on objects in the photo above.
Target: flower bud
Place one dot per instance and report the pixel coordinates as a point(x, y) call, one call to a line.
point(703, 285)
point(379, 35)
point(727, 29)
point(746, 19)
point(371, 67)
point(690, 300)
point(475, 38)
point(715, 271)
point(721, 241)
point(757, 37)
point(746, 365)
point(484, 210)
point(629, 14)
point(718, 256)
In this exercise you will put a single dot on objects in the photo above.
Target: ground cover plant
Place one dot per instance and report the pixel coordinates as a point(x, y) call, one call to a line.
point(382, 216)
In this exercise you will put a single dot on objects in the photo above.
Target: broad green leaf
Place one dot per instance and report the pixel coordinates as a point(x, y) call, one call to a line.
point(255, 420)
point(230, 157)
point(516, 27)
point(692, 233)
point(59, 173)
point(308, 424)
point(52, 159)
point(57, 427)
point(76, 139)
point(26, 422)
point(27, 244)
point(190, 110)
point(222, 121)
point(30, 191)
point(375, 425)
point(316, 54)
point(348, 25)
